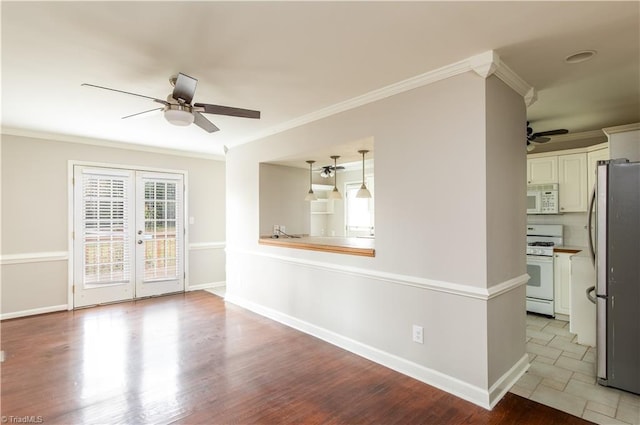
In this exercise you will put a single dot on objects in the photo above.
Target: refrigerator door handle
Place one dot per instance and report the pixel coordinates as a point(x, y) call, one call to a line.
point(592, 205)
point(589, 291)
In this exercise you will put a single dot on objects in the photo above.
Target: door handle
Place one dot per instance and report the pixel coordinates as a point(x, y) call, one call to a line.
point(589, 291)
point(139, 241)
point(139, 232)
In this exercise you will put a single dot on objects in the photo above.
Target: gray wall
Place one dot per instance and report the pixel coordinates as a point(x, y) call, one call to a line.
point(442, 155)
point(35, 211)
point(282, 192)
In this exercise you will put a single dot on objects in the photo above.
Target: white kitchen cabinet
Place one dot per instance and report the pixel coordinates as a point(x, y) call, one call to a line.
point(592, 160)
point(582, 320)
point(562, 282)
point(542, 170)
point(572, 179)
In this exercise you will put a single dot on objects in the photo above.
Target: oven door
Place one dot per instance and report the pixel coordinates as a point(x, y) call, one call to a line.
point(540, 269)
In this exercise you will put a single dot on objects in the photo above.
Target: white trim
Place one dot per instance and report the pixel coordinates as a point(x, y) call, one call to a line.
point(621, 128)
point(484, 64)
point(394, 278)
point(513, 80)
point(67, 138)
point(33, 312)
point(34, 257)
point(206, 245)
point(447, 383)
point(507, 285)
point(508, 380)
point(73, 162)
point(209, 285)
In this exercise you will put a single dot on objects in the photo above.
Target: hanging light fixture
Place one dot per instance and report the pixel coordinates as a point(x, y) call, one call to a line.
point(363, 192)
point(335, 193)
point(310, 195)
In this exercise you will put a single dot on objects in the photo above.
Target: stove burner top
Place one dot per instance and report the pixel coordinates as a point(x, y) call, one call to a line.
point(541, 244)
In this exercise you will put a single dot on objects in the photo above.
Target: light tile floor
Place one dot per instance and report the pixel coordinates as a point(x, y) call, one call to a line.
point(563, 375)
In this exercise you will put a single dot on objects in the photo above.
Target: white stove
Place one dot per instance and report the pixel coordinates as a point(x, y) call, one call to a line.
point(541, 240)
point(540, 248)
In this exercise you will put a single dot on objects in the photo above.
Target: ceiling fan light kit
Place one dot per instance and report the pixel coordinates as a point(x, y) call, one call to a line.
point(178, 115)
point(327, 172)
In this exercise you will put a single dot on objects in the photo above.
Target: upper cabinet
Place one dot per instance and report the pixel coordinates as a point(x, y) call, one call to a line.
point(573, 170)
point(542, 170)
point(572, 179)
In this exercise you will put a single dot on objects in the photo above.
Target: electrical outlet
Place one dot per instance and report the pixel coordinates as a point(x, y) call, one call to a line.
point(283, 228)
point(276, 230)
point(418, 334)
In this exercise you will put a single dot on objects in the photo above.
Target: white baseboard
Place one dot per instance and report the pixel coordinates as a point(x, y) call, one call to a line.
point(34, 311)
point(506, 381)
point(209, 285)
point(482, 397)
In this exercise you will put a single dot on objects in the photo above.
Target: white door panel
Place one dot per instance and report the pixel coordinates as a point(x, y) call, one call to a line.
point(160, 234)
point(103, 249)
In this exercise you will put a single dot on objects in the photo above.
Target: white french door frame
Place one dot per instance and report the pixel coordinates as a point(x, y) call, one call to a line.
point(71, 164)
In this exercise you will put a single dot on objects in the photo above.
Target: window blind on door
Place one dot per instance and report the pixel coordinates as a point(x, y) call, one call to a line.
point(105, 235)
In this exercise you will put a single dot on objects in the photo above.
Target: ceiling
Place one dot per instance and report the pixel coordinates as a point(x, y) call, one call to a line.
point(291, 59)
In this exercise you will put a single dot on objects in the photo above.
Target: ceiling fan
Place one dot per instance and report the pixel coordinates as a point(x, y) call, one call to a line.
point(179, 110)
point(329, 170)
point(541, 137)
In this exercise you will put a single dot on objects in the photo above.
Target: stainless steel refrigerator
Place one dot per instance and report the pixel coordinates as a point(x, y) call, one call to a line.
point(617, 260)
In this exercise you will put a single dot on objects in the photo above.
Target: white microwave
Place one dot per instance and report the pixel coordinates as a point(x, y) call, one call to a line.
point(542, 199)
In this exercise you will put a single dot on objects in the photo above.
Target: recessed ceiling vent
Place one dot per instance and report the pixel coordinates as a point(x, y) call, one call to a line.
point(581, 56)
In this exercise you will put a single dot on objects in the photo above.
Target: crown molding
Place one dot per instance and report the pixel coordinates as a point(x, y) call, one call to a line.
point(105, 143)
point(621, 128)
point(484, 64)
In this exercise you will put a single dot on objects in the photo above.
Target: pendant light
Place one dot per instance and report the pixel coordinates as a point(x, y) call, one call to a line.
point(310, 195)
point(363, 192)
point(335, 193)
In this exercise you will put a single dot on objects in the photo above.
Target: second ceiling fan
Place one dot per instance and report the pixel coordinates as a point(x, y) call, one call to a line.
point(178, 108)
point(541, 137)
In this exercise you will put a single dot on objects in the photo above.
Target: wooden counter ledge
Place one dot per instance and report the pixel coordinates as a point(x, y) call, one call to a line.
point(352, 246)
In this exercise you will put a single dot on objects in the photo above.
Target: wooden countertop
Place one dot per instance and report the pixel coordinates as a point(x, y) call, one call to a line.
point(352, 246)
point(568, 249)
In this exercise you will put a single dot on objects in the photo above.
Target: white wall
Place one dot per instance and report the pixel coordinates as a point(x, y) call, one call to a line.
point(35, 230)
point(434, 263)
point(625, 144)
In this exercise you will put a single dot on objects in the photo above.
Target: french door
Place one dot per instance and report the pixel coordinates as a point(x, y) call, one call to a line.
point(128, 234)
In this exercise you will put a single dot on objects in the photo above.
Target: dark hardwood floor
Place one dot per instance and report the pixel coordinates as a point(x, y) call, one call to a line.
point(191, 359)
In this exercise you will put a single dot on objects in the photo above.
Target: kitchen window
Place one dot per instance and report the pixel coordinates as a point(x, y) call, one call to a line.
point(359, 212)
